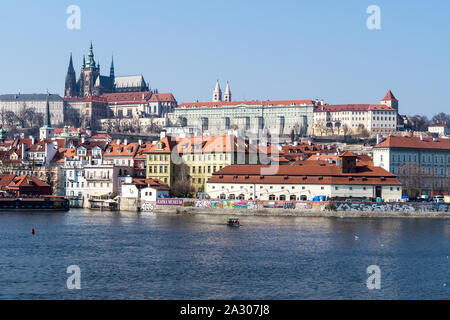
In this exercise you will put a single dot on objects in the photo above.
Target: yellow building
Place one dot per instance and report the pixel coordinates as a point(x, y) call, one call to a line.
point(202, 155)
point(206, 155)
point(159, 161)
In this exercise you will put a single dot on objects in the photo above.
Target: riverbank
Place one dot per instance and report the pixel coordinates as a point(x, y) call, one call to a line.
point(301, 213)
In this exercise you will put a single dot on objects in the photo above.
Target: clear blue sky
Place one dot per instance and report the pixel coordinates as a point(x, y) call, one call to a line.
point(266, 49)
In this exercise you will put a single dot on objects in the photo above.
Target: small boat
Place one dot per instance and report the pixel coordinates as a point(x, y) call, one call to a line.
point(234, 222)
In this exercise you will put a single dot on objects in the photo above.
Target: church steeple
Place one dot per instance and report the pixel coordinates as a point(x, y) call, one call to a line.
point(217, 93)
point(227, 95)
point(47, 131)
point(111, 70)
point(71, 83)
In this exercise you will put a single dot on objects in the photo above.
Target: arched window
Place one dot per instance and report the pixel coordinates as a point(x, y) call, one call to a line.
point(303, 198)
point(223, 196)
point(292, 197)
point(241, 197)
point(272, 197)
point(231, 197)
point(283, 197)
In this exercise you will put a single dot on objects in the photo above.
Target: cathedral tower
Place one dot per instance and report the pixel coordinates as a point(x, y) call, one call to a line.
point(71, 81)
point(390, 100)
point(89, 74)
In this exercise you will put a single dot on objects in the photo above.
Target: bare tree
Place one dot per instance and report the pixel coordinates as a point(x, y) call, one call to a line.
point(182, 186)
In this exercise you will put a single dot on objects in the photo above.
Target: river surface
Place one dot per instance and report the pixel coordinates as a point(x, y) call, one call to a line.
point(144, 256)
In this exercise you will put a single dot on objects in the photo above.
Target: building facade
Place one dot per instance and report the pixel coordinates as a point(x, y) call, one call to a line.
point(305, 181)
point(20, 103)
point(357, 118)
point(426, 160)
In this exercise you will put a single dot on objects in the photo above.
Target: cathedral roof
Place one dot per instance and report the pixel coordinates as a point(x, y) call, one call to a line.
point(129, 81)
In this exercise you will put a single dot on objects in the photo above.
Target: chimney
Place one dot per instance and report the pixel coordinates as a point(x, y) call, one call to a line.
point(163, 134)
point(125, 142)
point(309, 142)
point(421, 137)
point(379, 138)
point(140, 142)
point(23, 151)
point(83, 140)
point(33, 141)
point(118, 141)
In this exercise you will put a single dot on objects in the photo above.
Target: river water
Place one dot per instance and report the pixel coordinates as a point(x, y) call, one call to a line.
point(144, 256)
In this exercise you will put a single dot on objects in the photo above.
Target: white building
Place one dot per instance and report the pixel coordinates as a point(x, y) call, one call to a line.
point(354, 118)
point(144, 189)
point(440, 129)
point(306, 180)
point(398, 154)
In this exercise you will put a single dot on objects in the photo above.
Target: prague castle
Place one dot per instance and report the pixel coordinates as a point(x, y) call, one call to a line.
point(92, 83)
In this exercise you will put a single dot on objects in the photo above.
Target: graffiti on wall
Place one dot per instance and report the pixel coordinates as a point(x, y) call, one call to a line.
point(147, 207)
point(368, 206)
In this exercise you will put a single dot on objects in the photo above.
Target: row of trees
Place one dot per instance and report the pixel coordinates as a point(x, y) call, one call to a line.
point(421, 123)
point(417, 179)
point(25, 117)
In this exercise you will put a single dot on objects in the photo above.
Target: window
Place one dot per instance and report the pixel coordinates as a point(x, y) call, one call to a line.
point(272, 197)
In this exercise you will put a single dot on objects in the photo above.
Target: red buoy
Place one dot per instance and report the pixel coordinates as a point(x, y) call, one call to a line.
point(32, 230)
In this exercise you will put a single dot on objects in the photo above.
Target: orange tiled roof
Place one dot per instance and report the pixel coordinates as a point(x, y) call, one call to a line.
point(128, 97)
point(307, 172)
point(353, 107)
point(162, 97)
point(114, 149)
point(25, 181)
point(267, 103)
point(389, 96)
point(414, 143)
point(153, 183)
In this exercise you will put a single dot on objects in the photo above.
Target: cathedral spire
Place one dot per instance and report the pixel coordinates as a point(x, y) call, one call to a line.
point(84, 61)
point(91, 61)
point(111, 70)
point(71, 83)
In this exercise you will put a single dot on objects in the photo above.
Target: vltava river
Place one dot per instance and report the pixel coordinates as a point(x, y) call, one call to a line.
point(143, 256)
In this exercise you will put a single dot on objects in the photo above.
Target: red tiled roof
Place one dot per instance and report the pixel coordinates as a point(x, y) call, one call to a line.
point(353, 107)
point(210, 144)
point(128, 97)
point(267, 103)
point(167, 145)
point(162, 97)
point(5, 179)
point(307, 172)
point(389, 97)
point(26, 181)
point(414, 143)
point(153, 183)
point(114, 149)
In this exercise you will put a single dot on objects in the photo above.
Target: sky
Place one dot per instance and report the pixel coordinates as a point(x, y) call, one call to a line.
point(273, 50)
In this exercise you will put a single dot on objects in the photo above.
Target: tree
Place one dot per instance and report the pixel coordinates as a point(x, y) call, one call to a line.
point(182, 187)
point(292, 136)
point(441, 118)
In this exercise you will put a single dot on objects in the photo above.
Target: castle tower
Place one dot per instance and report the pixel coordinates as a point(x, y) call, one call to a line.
point(227, 95)
point(71, 81)
point(89, 74)
point(47, 131)
point(217, 93)
point(390, 100)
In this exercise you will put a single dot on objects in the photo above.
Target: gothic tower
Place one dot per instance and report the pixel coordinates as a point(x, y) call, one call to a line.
point(71, 81)
point(227, 95)
point(217, 93)
point(89, 74)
